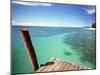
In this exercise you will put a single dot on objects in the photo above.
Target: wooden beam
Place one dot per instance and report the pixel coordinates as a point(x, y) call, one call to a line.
point(30, 49)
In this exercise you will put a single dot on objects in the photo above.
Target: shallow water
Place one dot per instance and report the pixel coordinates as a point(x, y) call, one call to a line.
point(75, 45)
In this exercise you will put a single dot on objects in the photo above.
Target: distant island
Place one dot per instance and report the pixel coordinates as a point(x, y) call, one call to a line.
point(91, 27)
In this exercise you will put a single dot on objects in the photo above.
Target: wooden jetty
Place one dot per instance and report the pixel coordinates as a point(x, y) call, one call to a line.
point(60, 65)
point(53, 65)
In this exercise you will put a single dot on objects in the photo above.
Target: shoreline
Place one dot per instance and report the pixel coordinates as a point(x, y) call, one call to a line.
point(90, 28)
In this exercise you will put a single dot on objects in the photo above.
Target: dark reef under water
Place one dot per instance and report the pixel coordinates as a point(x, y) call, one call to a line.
point(84, 43)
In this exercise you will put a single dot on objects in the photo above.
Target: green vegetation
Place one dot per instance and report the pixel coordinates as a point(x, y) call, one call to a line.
point(93, 25)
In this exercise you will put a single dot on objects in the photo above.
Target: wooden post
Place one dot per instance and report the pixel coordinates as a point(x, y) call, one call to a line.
point(30, 49)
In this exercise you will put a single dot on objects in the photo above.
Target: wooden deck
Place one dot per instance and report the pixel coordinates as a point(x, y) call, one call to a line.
point(60, 65)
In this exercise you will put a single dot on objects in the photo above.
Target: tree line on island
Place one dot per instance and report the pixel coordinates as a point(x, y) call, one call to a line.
point(93, 25)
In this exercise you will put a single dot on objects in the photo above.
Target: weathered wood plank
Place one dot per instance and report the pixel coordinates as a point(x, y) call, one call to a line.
point(80, 68)
point(41, 68)
point(76, 67)
point(49, 66)
point(62, 67)
point(58, 65)
point(67, 66)
point(71, 67)
point(53, 66)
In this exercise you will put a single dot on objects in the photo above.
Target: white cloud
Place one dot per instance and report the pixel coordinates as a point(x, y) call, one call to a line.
point(50, 23)
point(21, 23)
point(90, 10)
point(32, 3)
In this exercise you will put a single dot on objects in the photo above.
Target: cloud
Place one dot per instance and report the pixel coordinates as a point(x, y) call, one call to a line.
point(90, 10)
point(21, 23)
point(52, 23)
point(31, 3)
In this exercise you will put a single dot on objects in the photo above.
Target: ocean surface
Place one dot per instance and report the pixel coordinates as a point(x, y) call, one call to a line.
point(76, 45)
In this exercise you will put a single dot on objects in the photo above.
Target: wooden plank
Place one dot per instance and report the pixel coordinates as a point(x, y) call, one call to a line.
point(67, 66)
point(43, 67)
point(80, 68)
point(71, 67)
point(49, 66)
point(58, 65)
point(76, 67)
point(53, 66)
point(62, 67)
point(46, 69)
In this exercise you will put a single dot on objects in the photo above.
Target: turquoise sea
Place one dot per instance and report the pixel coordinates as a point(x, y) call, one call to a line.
point(76, 45)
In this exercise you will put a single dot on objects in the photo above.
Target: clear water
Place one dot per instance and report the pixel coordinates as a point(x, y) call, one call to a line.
point(76, 45)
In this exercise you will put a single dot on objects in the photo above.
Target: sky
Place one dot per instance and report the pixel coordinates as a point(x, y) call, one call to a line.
point(52, 14)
